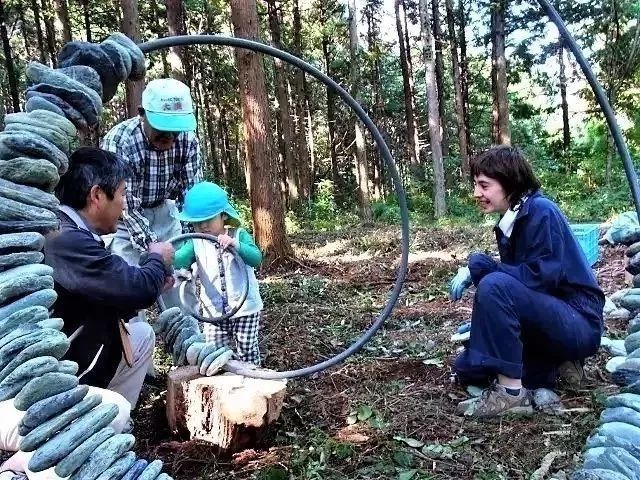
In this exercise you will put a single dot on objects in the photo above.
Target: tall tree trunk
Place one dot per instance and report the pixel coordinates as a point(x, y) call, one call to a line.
point(213, 155)
point(442, 97)
point(566, 132)
point(360, 156)
point(304, 169)
point(225, 156)
point(131, 28)
point(457, 88)
point(412, 145)
point(611, 79)
point(611, 151)
point(211, 111)
point(464, 71)
point(25, 33)
point(407, 42)
point(177, 55)
point(310, 139)
point(3, 96)
point(373, 39)
point(86, 11)
point(63, 24)
point(266, 200)
point(8, 61)
point(283, 168)
point(39, 37)
point(240, 165)
point(285, 138)
point(495, 109)
point(440, 206)
point(47, 15)
point(412, 88)
point(331, 116)
point(159, 32)
point(501, 127)
point(197, 110)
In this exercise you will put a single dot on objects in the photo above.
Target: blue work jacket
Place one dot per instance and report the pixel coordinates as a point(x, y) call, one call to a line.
point(96, 290)
point(544, 254)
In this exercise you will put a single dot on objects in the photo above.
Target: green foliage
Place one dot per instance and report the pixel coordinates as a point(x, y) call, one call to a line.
point(460, 205)
point(273, 473)
point(314, 457)
point(576, 179)
point(386, 211)
point(243, 207)
point(322, 213)
point(365, 414)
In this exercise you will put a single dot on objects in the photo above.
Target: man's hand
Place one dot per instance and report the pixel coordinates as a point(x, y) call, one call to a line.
point(169, 282)
point(460, 283)
point(225, 241)
point(165, 250)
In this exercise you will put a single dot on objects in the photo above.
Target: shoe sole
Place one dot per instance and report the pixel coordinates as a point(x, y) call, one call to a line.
point(467, 406)
point(513, 413)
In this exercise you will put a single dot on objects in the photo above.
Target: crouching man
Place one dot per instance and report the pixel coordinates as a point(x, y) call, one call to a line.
point(97, 290)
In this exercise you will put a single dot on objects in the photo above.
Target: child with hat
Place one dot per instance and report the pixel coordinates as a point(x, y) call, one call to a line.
point(207, 208)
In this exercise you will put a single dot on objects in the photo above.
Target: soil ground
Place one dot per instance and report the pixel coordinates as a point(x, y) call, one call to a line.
point(389, 411)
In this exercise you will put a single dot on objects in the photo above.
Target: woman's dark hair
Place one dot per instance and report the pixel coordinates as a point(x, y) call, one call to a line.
point(509, 167)
point(89, 166)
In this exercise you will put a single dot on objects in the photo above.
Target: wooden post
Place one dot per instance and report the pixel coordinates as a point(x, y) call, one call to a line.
point(229, 411)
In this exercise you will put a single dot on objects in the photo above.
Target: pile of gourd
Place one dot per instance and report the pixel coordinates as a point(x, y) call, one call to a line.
point(613, 451)
point(182, 337)
point(63, 426)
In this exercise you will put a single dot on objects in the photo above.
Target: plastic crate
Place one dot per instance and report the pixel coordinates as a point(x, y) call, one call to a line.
point(587, 235)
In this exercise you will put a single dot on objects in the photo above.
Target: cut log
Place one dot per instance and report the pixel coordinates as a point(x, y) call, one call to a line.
point(177, 384)
point(229, 411)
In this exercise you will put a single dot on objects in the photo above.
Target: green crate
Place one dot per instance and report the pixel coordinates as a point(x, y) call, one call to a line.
point(587, 236)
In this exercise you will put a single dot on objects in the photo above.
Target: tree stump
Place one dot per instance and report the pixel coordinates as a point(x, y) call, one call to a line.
point(229, 411)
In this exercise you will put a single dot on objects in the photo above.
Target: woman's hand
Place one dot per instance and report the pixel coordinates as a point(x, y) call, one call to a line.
point(460, 283)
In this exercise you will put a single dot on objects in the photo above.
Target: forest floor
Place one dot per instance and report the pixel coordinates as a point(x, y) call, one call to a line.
point(389, 411)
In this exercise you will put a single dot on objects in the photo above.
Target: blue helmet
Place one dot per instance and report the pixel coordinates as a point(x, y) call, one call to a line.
point(204, 201)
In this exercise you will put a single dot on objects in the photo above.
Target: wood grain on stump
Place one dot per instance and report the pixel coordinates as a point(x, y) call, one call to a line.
point(229, 411)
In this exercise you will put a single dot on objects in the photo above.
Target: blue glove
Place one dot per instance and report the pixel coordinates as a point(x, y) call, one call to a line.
point(460, 283)
point(214, 361)
point(464, 328)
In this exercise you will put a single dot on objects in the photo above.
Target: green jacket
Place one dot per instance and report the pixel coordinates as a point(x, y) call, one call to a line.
point(248, 251)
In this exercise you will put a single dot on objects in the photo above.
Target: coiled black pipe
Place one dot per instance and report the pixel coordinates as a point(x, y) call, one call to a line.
point(386, 155)
point(384, 152)
point(245, 279)
point(601, 97)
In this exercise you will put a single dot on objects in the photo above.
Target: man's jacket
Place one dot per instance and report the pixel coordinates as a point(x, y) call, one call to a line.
point(97, 289)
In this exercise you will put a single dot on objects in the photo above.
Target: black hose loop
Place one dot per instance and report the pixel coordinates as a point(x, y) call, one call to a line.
point(185, 40)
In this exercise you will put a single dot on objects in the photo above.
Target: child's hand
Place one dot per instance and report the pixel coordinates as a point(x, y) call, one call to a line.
point(225, 241)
